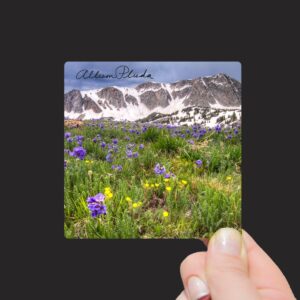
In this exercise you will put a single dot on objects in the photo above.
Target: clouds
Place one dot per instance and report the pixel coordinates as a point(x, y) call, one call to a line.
point(160, 71)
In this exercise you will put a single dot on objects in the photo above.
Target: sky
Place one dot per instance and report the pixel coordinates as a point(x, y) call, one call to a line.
point(164, 72)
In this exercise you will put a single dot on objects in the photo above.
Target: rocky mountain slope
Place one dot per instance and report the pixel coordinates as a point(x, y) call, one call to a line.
point(218, 96)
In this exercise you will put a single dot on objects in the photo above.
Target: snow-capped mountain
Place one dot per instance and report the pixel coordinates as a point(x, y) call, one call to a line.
point(194, 100)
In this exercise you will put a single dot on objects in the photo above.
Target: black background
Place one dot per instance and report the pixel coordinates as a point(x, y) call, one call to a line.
point(40, 263)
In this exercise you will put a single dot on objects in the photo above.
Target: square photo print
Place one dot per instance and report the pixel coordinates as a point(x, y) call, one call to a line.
point(152, 150)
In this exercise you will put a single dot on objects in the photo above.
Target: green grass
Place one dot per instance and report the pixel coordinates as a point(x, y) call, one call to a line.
point(209, 197)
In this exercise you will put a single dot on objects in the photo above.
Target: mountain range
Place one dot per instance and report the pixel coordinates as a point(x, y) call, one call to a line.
point(218, 95)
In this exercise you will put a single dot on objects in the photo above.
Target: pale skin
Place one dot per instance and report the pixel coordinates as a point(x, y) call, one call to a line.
point(233, 268)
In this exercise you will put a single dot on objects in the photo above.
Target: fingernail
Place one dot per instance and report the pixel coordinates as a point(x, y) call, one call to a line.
point(228, 241)
point(197, 289)
point(181, 296)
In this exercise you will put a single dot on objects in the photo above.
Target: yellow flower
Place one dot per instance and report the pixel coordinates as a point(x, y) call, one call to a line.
point(168, 188)
point(87, 161)
point(109, 195)
point(167, 179)
point(184, 182)
point(228, 178)
point(157, 184)
point(165, 214)
point(128, 199)
point(137, 204)
point(146, 185)
point(152, 185)
point(90, 173)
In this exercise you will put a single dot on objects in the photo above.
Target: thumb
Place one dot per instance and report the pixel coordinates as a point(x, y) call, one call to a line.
point(226, 269)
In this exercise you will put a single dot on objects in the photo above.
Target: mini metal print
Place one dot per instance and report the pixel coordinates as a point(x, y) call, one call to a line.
point(152, 150)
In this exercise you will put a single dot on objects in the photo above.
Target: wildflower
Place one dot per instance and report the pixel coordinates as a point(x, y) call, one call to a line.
point(94, 140)
point(117, 167)
point(168, 188)
point(65, 164)
point(69, 140)
point(165, 214)
point(191, 142)
point(135, 154)
point(184, 182)
point(96, 205)
point(128, 199)
point(157, 184)
point(103, 144)
point(67, 134)
point(109, 157)
point(141, 146)
point(229, 137)
point(167, 179)
point(79, 138)
point(108, 193)
point(159, 170)
point(168, 175)
point(146, 185)
point(129, 153)
point(115, 141)
point(152, 185)
point(78, 152)
point(236, 131)
point(137, 204)
point(218, 128)
point(199, 163)
point(228, 178)
point(90, 173)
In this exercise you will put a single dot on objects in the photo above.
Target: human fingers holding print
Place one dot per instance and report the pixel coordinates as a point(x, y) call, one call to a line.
point(233, 268)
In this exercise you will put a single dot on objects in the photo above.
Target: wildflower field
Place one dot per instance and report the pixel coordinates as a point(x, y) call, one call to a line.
point(134, 180)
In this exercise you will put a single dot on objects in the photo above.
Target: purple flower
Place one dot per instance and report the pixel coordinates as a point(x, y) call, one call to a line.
point(159, 170)
point(65, 164)
point(94, 140)
point(169, 175)
point(117, 167)
point(191, 142)
point(79, 152)
point(67, 134)
point(218, 128)
point(129, 153)
point(69, 140)
point(135, 154)
point(142, 146)
point(103, 144)
point(109, 157)
point(229, 137)
point(115, 141)
point(79, 138)
point(96, 205)
point(199, 163)
point(236, 131)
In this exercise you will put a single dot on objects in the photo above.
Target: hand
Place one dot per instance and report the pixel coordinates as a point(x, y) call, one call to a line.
point(233, 268)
